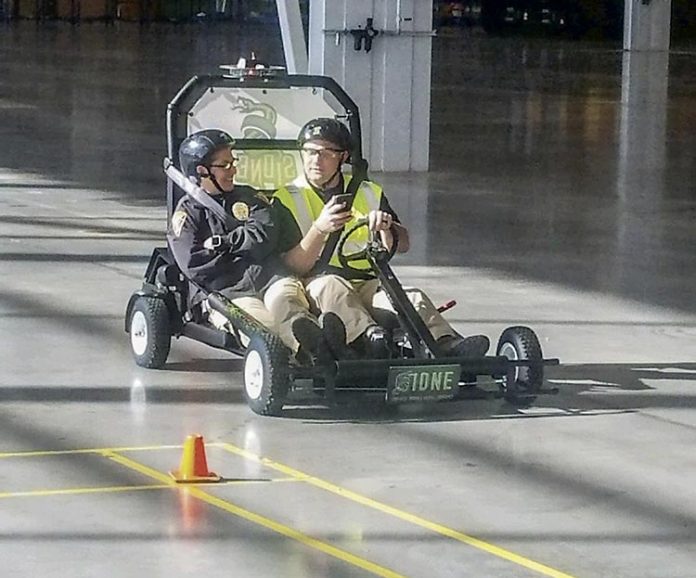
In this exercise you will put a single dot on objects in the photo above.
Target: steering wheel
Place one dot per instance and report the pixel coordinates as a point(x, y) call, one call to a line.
point(373, 244)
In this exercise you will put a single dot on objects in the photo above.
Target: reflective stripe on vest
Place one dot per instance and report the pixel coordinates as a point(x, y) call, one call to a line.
point(306, 205)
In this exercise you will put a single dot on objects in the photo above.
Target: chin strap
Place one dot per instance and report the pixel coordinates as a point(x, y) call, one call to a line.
point(198, 194)
point(211, 176)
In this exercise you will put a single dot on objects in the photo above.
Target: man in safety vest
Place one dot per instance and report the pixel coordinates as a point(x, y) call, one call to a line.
point(307, 212)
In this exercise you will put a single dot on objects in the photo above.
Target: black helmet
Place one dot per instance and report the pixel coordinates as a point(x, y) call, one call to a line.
point(328, 129)
point(197, 149)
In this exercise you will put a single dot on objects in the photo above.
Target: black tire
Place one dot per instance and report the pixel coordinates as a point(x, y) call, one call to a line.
point(149, 330)
point(266, 374)
point(522, 343)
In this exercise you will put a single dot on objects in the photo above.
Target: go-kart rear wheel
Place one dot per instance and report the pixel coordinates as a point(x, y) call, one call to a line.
point(266, 374)
point(150, 335)
point(522, 343)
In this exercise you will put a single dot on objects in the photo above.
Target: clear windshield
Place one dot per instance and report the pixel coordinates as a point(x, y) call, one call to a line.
point(263, 113)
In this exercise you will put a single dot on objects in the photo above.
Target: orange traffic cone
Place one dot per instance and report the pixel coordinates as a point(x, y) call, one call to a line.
point(194, 466)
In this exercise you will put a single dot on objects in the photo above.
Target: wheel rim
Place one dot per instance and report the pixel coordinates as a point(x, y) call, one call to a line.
point(253, 374)
point(508, 350)
point(138, 333)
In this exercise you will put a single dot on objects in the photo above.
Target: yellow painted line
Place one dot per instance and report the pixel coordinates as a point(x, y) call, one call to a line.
point(77, 491)
point(43, 453)
point(299, 476)
point(114, 489)
point(288, 532)
point(410, 518)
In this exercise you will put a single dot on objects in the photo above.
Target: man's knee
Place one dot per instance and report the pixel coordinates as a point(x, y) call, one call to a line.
point(330, 287)
point(256, 309)
point(287, 287)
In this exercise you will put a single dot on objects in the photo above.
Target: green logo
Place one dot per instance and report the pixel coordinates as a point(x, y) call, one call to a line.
point(263, 169)
point(260, 119)
point(426, 380)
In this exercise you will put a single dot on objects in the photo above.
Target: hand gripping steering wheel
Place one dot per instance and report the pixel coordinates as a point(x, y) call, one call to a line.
point(373, 245)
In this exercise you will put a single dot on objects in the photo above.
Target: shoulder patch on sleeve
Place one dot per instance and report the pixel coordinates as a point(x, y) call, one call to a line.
point(178, 220)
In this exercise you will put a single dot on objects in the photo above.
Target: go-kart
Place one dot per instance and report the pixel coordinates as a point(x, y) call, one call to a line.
point(263, 109)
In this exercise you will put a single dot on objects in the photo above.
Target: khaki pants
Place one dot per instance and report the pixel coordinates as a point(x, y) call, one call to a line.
point(331, 293)
point(354, 302)
point(282, 303)
point(289, 298)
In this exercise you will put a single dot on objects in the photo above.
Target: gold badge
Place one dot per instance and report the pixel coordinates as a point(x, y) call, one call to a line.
point(240, 211)
point(178, 220)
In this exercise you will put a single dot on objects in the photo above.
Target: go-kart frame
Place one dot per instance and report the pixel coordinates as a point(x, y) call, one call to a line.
point(263, 109)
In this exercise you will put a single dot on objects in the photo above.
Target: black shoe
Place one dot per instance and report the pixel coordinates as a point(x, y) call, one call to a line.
point(304, 357)
point(311, 339)
point(334, 332)
point(458, 346)
point(376, 342)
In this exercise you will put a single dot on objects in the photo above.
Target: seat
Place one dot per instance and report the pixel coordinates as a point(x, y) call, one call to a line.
point(169, 276)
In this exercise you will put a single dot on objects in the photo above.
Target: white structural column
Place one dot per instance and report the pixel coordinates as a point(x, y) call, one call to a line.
point(641, 176)
point(643, 128)
point(390, 83)
point(647, 24)
point(292, 32)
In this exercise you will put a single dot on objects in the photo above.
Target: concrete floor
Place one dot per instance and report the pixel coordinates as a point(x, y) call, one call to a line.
point(561, 196)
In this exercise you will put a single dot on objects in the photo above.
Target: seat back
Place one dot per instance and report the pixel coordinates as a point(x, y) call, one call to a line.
point(169, 276)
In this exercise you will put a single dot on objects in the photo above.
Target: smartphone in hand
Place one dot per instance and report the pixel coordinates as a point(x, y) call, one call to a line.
point(344, 199)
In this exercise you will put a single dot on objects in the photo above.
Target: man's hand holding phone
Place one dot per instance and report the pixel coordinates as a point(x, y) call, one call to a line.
point(335, 214)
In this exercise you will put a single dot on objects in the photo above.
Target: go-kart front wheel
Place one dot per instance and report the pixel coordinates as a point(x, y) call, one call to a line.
point(150, 336)
point(519, 343)
point(266, 375)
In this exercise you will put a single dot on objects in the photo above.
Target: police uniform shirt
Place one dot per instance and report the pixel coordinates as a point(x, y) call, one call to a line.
point(247, 262)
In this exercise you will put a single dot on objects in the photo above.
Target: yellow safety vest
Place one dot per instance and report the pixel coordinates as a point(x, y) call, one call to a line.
point(306, 205)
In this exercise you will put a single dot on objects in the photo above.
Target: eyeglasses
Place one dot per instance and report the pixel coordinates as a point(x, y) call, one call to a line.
point(227, 166)
point(322, 153)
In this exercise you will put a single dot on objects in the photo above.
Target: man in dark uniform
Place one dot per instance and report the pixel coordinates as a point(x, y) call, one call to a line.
point(234, 251)
point(308, 211)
